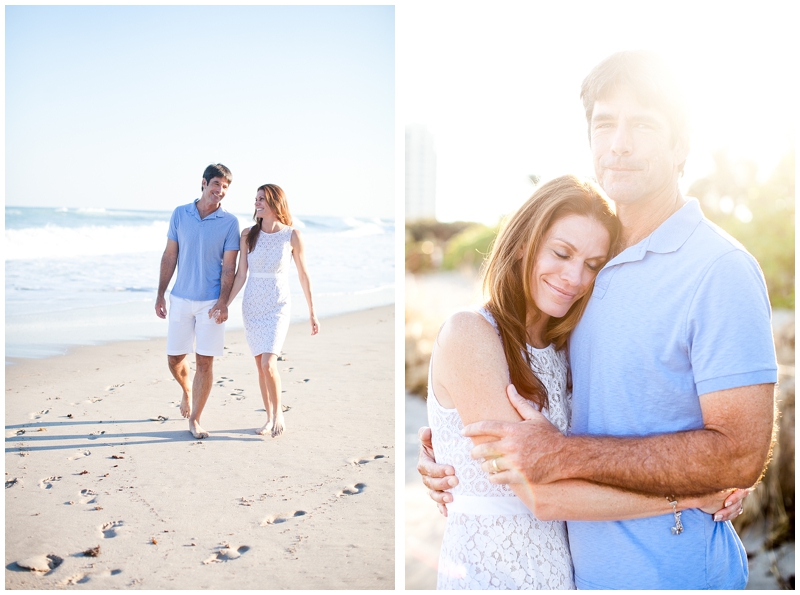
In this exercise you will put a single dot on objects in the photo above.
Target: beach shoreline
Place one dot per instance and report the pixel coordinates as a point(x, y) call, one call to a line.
point(132, 322)
point(98, 456)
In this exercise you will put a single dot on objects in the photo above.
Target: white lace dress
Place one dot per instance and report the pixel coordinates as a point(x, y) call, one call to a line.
point(491, 539)
point(265, 306)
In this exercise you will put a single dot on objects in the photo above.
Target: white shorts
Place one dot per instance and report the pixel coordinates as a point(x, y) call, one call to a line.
point(189, 319)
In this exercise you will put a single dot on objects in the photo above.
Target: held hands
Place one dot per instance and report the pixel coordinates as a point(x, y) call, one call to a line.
point(219, 313)
point(522, 452)
point(437, 478)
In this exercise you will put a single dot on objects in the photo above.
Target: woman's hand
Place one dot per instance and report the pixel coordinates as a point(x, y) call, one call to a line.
point(314, 324)
point(723, 506)
point(437, 478)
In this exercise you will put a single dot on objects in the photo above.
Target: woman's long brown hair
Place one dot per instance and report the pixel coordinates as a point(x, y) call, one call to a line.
point(508, 270)
point(276, 200)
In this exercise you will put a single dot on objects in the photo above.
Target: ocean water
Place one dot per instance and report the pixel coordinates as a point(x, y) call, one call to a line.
point(89, 276)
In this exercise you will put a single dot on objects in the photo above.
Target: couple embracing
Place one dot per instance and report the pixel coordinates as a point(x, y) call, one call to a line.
point(203, 241)
point(625, 360)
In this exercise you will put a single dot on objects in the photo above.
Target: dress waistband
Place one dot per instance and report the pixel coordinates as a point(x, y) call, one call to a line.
point(487, 505)
point(267, 275)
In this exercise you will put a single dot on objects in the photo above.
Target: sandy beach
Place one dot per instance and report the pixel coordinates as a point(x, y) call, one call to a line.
point(106, 488)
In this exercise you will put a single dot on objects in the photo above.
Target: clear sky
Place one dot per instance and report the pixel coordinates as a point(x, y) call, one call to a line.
point(498, 85)
point(124, 106)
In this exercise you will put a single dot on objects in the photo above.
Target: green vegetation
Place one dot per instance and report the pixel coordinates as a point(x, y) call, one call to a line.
point(469, 247)
point(425, 243)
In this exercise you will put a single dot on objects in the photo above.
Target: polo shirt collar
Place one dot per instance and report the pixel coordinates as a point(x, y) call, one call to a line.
point(194, 212)
point(668, 237)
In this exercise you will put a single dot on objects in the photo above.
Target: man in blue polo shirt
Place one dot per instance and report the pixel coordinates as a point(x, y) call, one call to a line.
point(673, 362)
point(203, 241)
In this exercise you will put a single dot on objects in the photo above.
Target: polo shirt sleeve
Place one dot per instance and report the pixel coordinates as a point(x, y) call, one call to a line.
point(232, 239)
point(172, 230)
point(728, 327)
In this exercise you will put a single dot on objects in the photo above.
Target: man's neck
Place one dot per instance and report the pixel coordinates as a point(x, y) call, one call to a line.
point(642, 218)
point(205, 208)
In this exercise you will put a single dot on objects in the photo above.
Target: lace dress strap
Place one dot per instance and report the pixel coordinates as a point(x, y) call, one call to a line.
point(484, 311)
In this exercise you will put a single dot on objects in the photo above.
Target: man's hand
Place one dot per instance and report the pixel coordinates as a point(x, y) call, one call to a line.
point(219, 312)
point(161, 307)
point(436, 478)
point(522, 452)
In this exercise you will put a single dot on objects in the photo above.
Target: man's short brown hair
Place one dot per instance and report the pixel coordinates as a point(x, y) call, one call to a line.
point(648, 77)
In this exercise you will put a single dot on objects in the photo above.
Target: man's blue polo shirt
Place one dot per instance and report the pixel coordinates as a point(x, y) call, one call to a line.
point(201, 243)
point(682, 313)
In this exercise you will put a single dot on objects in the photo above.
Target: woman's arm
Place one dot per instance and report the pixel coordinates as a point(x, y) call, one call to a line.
point(305, 282)
point(241, 272)
point(469, 372)
point(578, 500)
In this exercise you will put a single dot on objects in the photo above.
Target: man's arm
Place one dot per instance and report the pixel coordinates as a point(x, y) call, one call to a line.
point(730, 451)
point(226, 284)
point(168, 263)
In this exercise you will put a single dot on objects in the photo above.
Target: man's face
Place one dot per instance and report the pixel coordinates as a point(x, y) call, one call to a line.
point(635, 155)
point(214, 191)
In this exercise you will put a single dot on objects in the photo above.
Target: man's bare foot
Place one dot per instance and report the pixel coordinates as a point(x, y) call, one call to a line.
point(196, 430)
point(279, 426)
point(186, 405)
point(265, 429)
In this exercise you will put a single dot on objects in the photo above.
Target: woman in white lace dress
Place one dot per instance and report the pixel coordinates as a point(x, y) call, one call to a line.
point(537, 280)
point(265, 253)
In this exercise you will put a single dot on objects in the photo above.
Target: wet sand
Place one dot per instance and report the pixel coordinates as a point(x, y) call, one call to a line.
point(106, 488)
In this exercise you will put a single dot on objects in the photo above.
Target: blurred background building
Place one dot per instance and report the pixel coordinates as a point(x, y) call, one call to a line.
point(420, 173)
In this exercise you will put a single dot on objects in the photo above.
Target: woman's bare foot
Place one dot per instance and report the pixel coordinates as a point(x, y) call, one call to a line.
point(196, 430)
point(186, 405)
point(279, 426)
point(265, 429)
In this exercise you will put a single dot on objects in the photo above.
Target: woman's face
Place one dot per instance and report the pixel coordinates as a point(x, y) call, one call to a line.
point(572, 251)
point(262, 208)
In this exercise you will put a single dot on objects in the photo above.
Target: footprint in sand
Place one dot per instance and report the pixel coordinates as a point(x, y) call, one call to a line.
point(43, 563)
point(47, 482)
point(111, 529)
point(83, 577)
point(96, 435)
point(114, 387)
point(277, 519)
point(39, 414)
point(356, 489)
point(77, 579)
point(79, 455)
point(11, 482)
point(367, 459)
point(227, 553)
point(89, 496)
